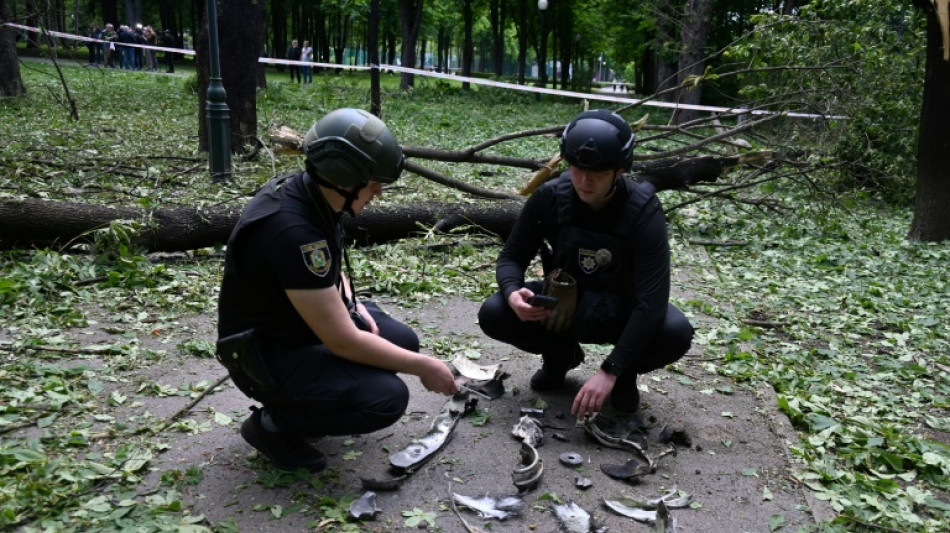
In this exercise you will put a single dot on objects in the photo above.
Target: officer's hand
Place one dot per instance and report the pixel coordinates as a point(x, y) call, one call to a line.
point(593, 394)
point(518, 301)
point(562, 286)
point(437, 377)
point(373, 328)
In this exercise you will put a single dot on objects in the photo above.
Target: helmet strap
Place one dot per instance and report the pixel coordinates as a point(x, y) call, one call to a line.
point(348, 196)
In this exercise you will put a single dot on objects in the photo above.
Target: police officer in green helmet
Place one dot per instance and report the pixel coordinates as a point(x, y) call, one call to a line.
point(291, 331)
point(605, 253)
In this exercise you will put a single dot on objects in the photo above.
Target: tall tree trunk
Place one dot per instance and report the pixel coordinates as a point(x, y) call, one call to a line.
point(932, 197)
point(692, 51)
point(11, 84)
point(373, 44)
point(567, 44)
point(522, 40)
point(110, 12)
point(496, 16)
point(241, 36)
point(410, 16)
point(469, 49)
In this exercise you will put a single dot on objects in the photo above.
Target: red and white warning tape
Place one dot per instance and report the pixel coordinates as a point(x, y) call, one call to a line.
point(463, 79)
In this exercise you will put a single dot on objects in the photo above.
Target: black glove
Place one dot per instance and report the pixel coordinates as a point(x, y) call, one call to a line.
point(562, 286)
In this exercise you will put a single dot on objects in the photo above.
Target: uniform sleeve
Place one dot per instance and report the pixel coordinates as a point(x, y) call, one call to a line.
point(649, 290)
point(524, 241)
point(299, 255)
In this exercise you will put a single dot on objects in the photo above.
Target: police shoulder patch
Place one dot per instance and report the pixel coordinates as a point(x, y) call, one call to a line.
point(587, 260)
point(316, 256)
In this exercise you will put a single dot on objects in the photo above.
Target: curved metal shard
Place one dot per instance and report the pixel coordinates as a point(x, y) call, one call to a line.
point(627, 471)
point(423, 448)
point(528, 476)
point(640, 515)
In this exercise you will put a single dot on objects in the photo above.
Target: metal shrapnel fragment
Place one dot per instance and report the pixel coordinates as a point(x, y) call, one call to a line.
point(665, 522)
point(571, 459)
point(573, 518)
point(529, 431)
point(627, 471)
point(526, 477)
point(488, 507)
point(638, 514)
point(423, 448)
point(383, 484)
point(365, 507)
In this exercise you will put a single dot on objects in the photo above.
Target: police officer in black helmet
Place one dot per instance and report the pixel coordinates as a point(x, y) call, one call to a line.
point(604, 249)
point(291, 331)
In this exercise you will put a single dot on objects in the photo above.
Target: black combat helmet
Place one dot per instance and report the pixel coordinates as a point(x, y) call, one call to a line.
point(598, 140)
point(350, 147)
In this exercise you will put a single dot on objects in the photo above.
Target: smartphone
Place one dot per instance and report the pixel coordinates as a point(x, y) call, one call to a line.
point(540, 300)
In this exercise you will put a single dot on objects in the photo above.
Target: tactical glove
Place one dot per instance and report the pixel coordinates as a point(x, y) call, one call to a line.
point(562, 286)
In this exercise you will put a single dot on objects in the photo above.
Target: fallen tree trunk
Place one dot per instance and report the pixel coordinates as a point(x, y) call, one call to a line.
point(40, 223)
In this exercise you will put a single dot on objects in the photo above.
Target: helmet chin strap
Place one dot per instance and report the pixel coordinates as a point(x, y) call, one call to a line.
point(348, 196)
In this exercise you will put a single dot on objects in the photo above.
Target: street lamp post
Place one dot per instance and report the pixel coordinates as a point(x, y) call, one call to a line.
point(543, 54)
point(219, 116)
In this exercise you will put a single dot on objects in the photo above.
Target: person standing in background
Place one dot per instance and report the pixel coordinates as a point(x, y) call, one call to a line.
point(306, 55)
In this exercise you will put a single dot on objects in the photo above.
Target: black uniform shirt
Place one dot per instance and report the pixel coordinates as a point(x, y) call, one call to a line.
point(294, 248)
point(646, 286)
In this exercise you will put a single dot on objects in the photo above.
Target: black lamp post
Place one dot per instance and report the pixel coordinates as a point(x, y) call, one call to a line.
point(543, 54)
point(219, 116)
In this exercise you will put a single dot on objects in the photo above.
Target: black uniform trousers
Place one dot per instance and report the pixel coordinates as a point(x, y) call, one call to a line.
point(321, 394)
point(599, 319)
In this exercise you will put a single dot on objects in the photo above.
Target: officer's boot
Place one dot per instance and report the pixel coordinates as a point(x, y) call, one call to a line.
point(625, 397)
point(556, 364)
point(287, 452)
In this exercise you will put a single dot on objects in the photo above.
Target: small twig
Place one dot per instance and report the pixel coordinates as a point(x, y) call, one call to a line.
point(763, 323)
point(57, 349)
point(699, 242)
point(874, 526)
point(191, 404)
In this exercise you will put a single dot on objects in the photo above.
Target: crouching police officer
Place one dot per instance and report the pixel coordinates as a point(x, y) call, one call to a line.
point(606, 258)
point(291, 332)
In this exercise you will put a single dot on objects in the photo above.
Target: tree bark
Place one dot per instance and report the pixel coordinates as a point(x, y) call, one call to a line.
point(33, 222)
point(241, 37)
point(692, 51)
point(932, 195)
point(43, 223)
point(11, 84)
point(410, 14)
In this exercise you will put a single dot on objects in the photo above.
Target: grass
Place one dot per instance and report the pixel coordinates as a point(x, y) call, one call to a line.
point(859, 358)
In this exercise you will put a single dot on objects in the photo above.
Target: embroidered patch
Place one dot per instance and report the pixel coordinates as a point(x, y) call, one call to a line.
point(587, 260)
point(316, 256)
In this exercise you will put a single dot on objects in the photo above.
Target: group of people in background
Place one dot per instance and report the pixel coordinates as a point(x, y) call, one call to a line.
point(112, 48)
point(301, 74)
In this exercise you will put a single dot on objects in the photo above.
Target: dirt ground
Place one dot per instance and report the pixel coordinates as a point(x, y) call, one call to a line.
point(737, 466)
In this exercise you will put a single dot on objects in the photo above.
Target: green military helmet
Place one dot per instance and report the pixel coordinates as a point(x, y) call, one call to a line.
point(350, 147)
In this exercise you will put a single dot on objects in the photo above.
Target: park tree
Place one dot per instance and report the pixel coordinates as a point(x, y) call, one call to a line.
point(11, 84)
point(241, 36)
point(932, 197)
point(410, 16)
